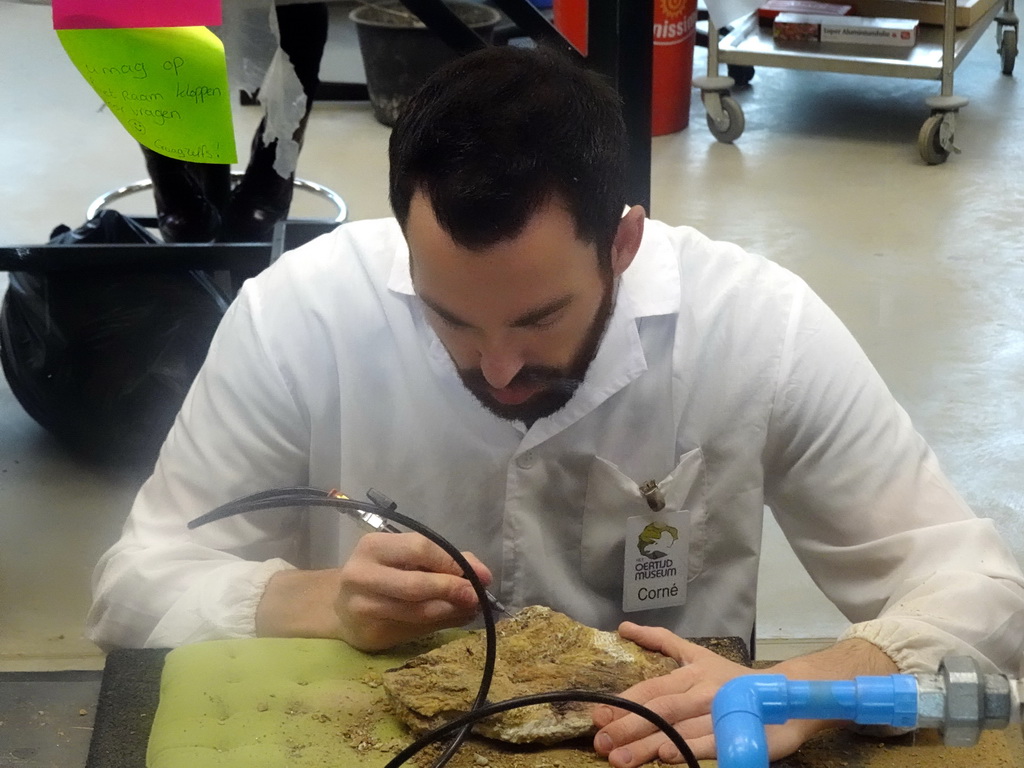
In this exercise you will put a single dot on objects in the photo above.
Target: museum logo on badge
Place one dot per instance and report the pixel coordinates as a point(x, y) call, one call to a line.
point(654, 572)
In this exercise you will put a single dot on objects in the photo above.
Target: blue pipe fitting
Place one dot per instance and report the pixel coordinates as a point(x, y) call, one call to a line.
point(744, 705)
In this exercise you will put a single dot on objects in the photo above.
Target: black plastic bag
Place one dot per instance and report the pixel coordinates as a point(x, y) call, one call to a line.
point(103, 360)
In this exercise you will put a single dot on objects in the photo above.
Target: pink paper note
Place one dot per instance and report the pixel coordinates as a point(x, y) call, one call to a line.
point(135, 14)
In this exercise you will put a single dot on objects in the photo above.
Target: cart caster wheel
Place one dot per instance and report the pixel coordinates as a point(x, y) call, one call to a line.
point(733, 123)
point(1008, 50)
point(929, 141)
point(741, 73)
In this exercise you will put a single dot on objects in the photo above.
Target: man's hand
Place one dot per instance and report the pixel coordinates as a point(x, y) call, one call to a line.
point(683, 697)
point(394, 587)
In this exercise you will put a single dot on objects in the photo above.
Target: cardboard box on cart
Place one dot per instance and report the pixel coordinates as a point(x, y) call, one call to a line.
point(802, 28)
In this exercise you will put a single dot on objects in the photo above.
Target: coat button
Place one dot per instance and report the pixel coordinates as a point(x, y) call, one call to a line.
point(525, 460)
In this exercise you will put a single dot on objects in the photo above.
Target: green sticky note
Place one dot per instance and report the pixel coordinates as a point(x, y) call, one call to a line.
point(168, 87)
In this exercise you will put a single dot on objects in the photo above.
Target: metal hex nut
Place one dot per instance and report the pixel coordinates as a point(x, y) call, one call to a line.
point(965, 701)
point(997, 702)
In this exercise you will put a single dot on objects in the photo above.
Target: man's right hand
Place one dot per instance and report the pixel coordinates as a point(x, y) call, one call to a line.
point(394, 587)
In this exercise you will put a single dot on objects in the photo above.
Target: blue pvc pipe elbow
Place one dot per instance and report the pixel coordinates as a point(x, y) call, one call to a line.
point(744, 705)
point(738, 720)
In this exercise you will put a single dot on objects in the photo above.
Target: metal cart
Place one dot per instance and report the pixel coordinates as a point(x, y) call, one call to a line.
point(938, 52)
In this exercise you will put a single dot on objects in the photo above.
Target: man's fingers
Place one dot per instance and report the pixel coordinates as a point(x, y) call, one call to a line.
point(408, 551)
point(375, 625)
point(482, 571)
point(396, 586)
point(408, 568)
point(637, 752)
point(633, 739)
point(703, 748)
point(676, 682)
point(656, 744)
point(602, 715)
point(413, 552)
point(623, 726)
point(425, 614)
point(417, 587)
point(663, 641)
point(410, 587)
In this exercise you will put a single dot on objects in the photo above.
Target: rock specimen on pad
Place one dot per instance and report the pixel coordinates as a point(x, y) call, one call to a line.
point(539, 650)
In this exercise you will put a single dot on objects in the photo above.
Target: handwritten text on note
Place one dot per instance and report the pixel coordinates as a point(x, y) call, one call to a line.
point(168, 87)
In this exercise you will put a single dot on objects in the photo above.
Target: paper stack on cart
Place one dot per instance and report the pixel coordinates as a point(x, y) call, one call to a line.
point(852, 30)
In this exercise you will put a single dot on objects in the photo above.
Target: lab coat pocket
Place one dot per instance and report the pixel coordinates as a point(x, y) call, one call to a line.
point(613, 497)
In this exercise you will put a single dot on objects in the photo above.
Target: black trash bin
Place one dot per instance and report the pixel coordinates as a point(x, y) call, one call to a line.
point(399, 51)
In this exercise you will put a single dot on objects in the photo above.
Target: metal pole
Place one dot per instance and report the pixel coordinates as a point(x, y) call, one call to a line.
point(620, 40)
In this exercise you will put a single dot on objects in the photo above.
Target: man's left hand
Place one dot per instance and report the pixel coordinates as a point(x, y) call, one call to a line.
point(683, 697)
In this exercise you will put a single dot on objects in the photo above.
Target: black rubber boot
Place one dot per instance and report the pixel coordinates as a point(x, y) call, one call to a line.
point(189, 197)
point(262, 198)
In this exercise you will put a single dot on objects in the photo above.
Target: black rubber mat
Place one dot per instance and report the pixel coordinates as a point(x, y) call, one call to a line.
point(129, 695)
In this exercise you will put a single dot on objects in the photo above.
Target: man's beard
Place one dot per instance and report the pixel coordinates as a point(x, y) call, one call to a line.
point(559, 384)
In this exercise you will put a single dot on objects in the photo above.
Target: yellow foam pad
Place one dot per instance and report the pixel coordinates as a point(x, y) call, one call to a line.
point(270, 703)
point(273, 702)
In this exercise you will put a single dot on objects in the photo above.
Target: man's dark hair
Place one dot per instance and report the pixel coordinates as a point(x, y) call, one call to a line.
point(495, 135)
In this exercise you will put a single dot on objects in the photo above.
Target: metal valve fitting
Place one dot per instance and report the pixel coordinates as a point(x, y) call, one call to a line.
point(960, 701)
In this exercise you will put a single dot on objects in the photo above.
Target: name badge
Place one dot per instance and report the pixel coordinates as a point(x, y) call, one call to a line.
point(655, 566)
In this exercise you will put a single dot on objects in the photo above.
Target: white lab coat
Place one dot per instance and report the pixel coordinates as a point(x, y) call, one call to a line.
point(721, 375)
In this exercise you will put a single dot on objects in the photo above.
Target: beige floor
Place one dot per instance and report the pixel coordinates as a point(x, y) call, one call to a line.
point(924, 264)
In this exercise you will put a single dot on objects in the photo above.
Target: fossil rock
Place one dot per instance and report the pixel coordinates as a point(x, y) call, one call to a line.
point(538, 650)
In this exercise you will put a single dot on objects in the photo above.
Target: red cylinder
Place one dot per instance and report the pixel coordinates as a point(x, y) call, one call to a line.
point(675, 27)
